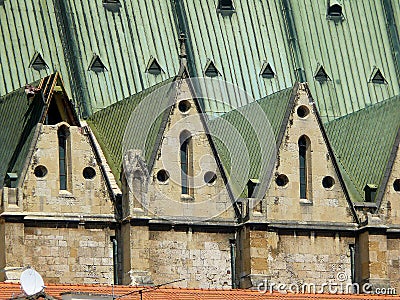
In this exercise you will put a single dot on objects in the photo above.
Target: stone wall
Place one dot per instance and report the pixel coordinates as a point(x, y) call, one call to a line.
point(298, 258)
point(82, 196)
point(201, 258)
point(323, 203)
point(393, 264)
point(61, 255)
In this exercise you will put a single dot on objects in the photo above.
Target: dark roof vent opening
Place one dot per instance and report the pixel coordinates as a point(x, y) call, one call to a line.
point(211, 70)
point(112, 5)
point(37, 62)
point(334, 11)
point(11, 180)
point(153, 67)
point(321, 75)
point(370, 192)
point(96, 65)
point(225, 6)
point(267, 71)
point(377, 77)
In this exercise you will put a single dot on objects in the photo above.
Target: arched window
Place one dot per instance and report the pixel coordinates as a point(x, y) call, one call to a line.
point(186, 162)
point(63, 134)
point(305, 167)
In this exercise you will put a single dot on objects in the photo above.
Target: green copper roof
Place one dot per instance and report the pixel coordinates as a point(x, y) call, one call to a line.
point(104, 52)
point(240, 45)
point(68, 34)
point(27, 27)
point(349, 51)
point(19, 120)
point(362, 143)
point(247, 121)
point(109, 126)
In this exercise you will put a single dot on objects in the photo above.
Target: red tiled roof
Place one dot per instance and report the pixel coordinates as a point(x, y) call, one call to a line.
point(12, 290)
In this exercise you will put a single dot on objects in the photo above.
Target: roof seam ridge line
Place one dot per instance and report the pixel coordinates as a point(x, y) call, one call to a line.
point(109, 176)
point(330, 150)
point(388, 169)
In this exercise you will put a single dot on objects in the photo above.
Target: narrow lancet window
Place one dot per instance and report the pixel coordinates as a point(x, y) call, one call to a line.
point(304, 167)
point(62, 156)
point(186, 162)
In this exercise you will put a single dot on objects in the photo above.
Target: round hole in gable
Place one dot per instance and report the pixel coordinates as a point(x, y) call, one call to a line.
point(281, 180)
point(210, 177)
point(303, 111)
point(40, 171)
point(184, 106)
point(162, 176)
point(89, 173)
point(328, 182)
point(396, 185)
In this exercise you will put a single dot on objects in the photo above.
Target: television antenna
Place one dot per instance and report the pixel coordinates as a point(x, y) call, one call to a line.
point(31, 282)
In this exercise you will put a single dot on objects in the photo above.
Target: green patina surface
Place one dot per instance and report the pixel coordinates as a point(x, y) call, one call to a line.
point(19, 120)
point(247, 139)
point(294, 37)
point(362, 143)
point(109, 126)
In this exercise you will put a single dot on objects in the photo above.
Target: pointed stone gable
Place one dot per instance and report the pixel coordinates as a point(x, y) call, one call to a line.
point(206, 196)
point(306, 185)
point(390, 206)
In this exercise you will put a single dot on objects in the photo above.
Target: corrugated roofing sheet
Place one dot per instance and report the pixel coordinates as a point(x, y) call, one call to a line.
point(362, 143)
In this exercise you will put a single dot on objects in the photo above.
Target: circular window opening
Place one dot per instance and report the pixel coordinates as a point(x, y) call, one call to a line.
point(184, 106)
point(40, 171)
point(303, 111)
point(162, 176)
point(396, 185)
point(89, 173)
point(282, 180)
point(328, 182)
point(210, 177)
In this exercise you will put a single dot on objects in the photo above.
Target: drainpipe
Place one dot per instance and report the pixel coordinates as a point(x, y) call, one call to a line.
point(115, 259)
point(232, 243)
point(294, 42)
point(352, 263)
